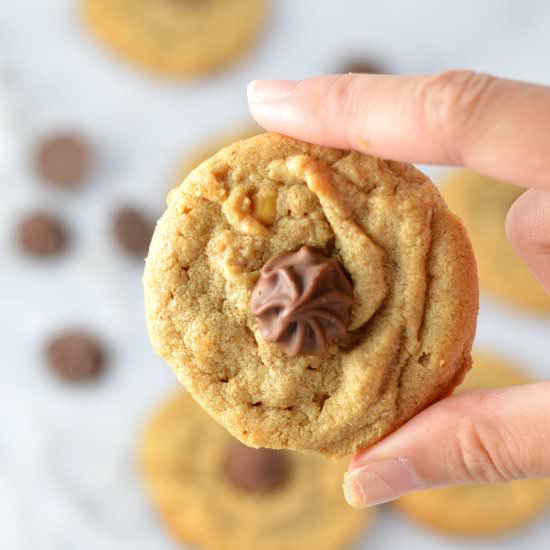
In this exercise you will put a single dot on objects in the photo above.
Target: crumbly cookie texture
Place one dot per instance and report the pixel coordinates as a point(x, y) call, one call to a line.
point(481, 510)
point(212, 146)
point(183, 459)
point(482, 203)
point(176, 37)
point(205, 150)
point(408, 257)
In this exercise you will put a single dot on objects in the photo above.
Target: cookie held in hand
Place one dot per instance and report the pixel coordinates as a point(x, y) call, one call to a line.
point(341, 355)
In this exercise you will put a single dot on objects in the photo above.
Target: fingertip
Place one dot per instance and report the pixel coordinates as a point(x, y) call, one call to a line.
point(250, 90)
point(264, 91)
point(380, 481)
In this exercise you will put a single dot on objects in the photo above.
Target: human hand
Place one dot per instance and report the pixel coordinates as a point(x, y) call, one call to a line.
point(499, 128)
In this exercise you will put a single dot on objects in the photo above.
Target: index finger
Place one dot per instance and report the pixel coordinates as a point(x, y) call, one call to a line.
point(498, 127)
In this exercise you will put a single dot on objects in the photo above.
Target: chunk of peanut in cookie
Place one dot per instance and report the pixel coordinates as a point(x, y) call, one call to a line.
point(265, 207)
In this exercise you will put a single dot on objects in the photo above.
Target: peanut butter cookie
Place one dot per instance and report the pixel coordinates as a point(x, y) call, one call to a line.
point(481, 510)
point(310, 298)
point(212, 490)
point(482, 203)
point(176, 37)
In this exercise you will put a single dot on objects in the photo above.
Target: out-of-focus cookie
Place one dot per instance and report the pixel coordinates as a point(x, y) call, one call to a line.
point(482, 203)
point(213, 491)
point(176, 37)
point(310, 298)
point(481, 510)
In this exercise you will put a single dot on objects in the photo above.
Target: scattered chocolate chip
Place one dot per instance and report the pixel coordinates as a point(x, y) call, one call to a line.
point(358, 66)
point(40, 234)
point(133, 231)
point(63, 160)
point(75, 356)
point(256, 470)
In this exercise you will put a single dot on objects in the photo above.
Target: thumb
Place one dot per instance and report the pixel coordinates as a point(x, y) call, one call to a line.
point(476, 437)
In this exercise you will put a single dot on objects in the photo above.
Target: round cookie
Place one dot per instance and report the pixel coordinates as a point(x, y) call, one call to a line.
point(481, 510)
point(176, 37)
point(213, 491)
point(409, 333)
point(482, 203)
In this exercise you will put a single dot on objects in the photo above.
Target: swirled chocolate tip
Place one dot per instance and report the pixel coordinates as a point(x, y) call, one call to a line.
point(302, 301)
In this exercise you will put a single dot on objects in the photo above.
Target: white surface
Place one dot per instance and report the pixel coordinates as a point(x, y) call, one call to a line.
point(67, 476)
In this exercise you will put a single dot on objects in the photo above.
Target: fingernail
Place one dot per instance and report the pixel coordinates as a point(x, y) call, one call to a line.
point(260, 91)
point(380, 481)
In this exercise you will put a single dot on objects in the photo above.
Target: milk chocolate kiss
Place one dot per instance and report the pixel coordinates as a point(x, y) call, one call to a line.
point(302, 301)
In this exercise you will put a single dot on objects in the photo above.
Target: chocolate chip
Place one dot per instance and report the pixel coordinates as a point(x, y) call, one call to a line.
point(256, 470)
point(75, 356)
point(365, 66)
point(40, 234)
point(133, 231)
point(63, 160)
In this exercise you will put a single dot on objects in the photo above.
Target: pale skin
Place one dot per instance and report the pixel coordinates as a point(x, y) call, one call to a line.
point(500, 128)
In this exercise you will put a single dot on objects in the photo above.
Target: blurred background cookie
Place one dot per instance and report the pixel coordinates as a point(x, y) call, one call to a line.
point(176, 37)
point(211, 490)
point(481, 510)
point(482, 203)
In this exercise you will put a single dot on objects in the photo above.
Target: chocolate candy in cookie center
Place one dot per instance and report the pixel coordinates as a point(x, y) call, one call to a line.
point(302, 301)
point(256, 470)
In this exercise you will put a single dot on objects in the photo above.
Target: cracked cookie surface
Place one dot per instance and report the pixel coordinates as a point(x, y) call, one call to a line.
point(414, 293)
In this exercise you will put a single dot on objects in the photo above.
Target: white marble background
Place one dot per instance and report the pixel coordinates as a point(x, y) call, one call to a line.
point(67, 475)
